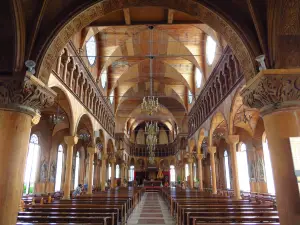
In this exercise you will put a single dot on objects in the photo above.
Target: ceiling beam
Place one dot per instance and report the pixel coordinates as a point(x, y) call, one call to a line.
point(127, 16)
point(120, 24)
point(170, 16)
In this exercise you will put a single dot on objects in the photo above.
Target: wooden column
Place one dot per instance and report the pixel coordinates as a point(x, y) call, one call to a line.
point(70, 141)
point(233, 140)
point(91, 152)
point(212, 150)
point(200, 174)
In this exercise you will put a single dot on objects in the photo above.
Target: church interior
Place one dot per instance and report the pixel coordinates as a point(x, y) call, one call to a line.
point(150, 112)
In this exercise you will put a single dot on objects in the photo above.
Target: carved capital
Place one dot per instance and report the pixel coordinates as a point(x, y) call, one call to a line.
point(212, 149)
point(104, 156)
point(190, 160)
point(113, 160)
point(29, 95)
point(273, 89)
point(71, 140)
point(232, 139)
point(200, 156)
point(91, 150)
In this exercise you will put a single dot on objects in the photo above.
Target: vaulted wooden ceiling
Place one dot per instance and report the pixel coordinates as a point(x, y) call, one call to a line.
point(178, 46)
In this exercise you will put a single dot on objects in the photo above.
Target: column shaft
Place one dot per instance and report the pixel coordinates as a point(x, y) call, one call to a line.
point(232, 140)
point(14, 139)
point(191, 175)
point(212, 151)
point(103, 174)
point(279, 127)
point(200, 175)
point(90, 175)
point(113, 174)
point(70, 141)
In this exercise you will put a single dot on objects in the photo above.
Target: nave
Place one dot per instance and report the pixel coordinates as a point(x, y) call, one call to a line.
point(151, 210)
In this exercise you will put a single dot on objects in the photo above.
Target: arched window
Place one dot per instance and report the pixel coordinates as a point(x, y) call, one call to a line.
point(76, 170)
point(268, 166)
point(91, 50)
point(117, 171)
point(111, 97)
point(187, 173)
point(243, 169)
point(109, 171)
point(190, 97)
point(59, 166)
point(198, 78)
point(295, 147)
point(131, 173)
point(172, 174)
point(211, 46)
point(226, 161)
point(31, 164)
point(104, 78)
point(195, 171)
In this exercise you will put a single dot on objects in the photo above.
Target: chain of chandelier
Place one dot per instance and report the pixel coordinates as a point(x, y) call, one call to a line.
point(150, 105)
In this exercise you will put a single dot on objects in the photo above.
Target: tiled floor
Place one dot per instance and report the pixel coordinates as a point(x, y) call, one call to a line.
point(151, 210)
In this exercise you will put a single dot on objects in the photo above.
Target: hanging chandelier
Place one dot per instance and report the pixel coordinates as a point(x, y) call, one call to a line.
point(84, 136)
point(150, 103)
point(58, 116)
point(151, 128)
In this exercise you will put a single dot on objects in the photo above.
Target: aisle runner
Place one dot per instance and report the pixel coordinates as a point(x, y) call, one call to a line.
point(151, 210)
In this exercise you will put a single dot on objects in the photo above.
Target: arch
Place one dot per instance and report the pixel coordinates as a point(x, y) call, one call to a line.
point(61, 93)
point(85, 123)
point(192, 144)
point(200, 139)
point(235, 38)
point(217, 120)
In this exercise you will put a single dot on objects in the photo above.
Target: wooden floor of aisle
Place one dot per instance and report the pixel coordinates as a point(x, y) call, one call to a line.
point(151, 210)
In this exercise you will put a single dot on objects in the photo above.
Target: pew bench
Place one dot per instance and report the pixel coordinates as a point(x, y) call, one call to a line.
point(236, 219)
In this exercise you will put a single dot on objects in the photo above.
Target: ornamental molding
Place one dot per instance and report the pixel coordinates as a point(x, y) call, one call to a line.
point(28, 96)
point(273, 89)
point(222, 25)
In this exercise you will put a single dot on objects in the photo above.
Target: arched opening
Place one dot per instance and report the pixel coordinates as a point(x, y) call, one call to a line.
point(31, 164)
point(295, 147)
point(243, 168)
point(109, 171)
point(172, 174)
point(187, 173)
point(227, 175)
point(131, 173)
point(77, 161)
point(117, 171)
point(195, 172)
point(268, 167)
point(59, 166)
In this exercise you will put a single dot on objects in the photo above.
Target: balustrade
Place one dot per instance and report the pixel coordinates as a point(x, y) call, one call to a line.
point(75, 75)
point(225, 76)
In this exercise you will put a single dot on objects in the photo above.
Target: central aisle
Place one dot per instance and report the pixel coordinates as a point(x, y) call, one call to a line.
point(151, 210)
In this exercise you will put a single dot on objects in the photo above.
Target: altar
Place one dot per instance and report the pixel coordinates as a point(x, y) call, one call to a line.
point(155, 185)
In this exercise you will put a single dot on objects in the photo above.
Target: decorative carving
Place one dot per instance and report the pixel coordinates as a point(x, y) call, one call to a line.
point(273, 89)
point(232, 36)
point(44, 172)
point(212, 95)
point(28, 96)
point(52, 172)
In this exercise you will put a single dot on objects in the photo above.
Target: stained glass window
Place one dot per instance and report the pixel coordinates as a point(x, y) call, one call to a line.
point(244, 179)
point(190, 97)
point(211, 46)
point(91, 50)
point(117, 171)
point(187, 172)
point(111, 97)
point(227, 170)
point(59, 166)
point(198, 78)
point(76, 170)
point(104, 78)
point(31, 164)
